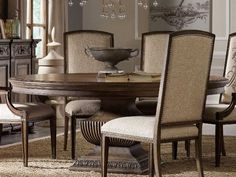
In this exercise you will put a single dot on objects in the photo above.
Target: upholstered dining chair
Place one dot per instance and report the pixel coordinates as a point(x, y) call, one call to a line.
point(224, 112)
point(153, 53)
point(76, 61)
point(24, 114)
point(181, 101)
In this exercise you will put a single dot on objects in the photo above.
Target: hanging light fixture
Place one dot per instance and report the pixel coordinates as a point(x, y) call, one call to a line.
point(115, 9)
point(145, 3)
point(82, 3)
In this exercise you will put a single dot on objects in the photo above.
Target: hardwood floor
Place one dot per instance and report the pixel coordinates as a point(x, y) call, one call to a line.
point(38, 131)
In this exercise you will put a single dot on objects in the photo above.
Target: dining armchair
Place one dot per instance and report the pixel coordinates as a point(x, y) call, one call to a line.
point(180, 105)
point(77, 61)
point(24, 114)
point(224, 112)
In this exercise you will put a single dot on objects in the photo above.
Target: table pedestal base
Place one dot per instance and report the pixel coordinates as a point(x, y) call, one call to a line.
point(132, 159)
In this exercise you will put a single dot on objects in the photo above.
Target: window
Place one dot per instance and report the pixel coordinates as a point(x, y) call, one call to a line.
point(37, 24)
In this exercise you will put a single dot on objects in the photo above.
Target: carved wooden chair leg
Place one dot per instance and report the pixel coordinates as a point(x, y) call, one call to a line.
point(73, 136)
point(53, 132)
point(187, 147)
point(1, 132)
point(198, 156)
point(105, 152)
point(222, 141)
point(151, 161)
point(218, 144)
point(157, 159)
point(174, 150)
point(25, 142)
point(66, 132)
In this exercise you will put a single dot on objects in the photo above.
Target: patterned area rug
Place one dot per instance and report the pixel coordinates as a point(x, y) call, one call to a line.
point(41, 165)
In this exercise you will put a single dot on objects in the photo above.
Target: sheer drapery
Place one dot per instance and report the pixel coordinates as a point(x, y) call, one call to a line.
point(41, 16)
point(56, 19)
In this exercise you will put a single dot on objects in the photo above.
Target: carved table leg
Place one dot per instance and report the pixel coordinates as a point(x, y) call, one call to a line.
point(125, 156)
point(121, 160)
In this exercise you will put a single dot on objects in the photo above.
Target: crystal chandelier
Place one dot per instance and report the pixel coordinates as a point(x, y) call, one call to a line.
point(82, 3)
point(115, 9)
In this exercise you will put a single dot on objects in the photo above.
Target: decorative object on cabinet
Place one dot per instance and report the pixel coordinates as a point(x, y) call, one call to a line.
point(2, 30)
point(54, 63)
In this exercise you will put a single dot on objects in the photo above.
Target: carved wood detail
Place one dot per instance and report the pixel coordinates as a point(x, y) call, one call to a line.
point(21, 50)
point(4, 51)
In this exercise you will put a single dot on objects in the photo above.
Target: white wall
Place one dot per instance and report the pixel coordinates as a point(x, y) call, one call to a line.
point(223, 23)
point(74, 17)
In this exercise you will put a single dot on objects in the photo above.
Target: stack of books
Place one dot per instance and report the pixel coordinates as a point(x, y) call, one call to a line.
point(139, 76)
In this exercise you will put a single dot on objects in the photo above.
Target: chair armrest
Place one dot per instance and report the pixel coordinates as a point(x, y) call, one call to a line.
point(221, 115)
point(4, 90)
point(4, 93)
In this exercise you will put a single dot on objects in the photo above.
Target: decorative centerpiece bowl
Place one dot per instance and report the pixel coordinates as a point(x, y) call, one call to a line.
point(111, 56)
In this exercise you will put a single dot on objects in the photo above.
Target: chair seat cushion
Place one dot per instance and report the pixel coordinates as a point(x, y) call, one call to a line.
point(147, 107)
point(82, 107)
point(35, 111)
point(141, 128)
point(211, 109)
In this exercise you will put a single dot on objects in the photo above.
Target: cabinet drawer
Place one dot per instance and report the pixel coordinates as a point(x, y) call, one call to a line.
point(21, 50)
point(4, 51)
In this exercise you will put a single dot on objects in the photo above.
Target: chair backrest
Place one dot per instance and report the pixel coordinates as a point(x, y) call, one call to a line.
point(185, 75)
point(75, 43)
point(154, 50)
point(230, 69)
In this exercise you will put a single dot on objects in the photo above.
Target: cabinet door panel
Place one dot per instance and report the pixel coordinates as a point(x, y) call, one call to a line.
point(22, 67)
point(4, 73)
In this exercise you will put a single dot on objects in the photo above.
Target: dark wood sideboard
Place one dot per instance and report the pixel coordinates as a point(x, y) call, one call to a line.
point(17, 57)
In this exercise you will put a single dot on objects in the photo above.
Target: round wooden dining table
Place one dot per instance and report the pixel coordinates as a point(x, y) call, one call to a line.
point(117, 97)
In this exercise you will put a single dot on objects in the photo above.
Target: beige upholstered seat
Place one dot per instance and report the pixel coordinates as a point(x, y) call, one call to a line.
point(82, 107)
point(76, 61)
point(140, 128)
point(188, 61)
point(34, 111)
point(23, 114)
point(224, 112)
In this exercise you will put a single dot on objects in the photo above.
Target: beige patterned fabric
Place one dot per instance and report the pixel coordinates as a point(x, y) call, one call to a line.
point(142, 128)
point(188, 67)
point(35, 111)
point(154, 52)
point(230, 71)
point(83, 107)
point(212, 109)
point(77, 60)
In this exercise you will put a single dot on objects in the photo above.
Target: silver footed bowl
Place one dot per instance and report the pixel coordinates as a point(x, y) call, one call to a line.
point(111, 56)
